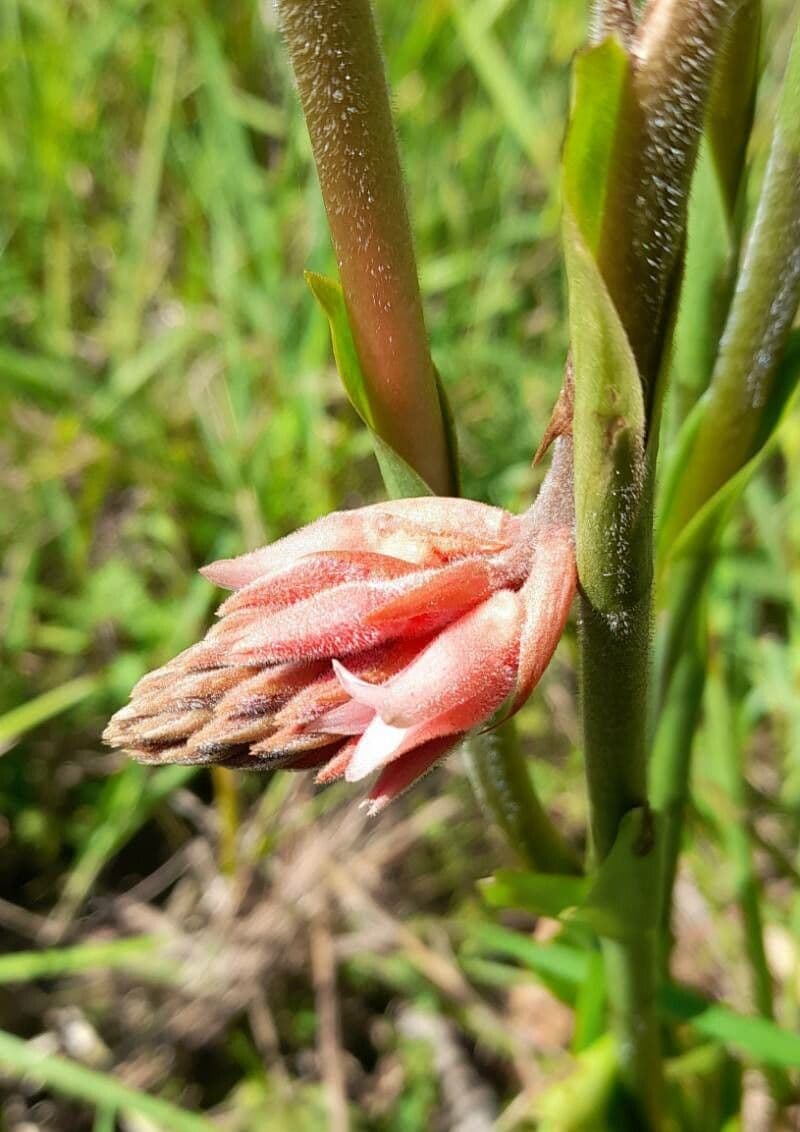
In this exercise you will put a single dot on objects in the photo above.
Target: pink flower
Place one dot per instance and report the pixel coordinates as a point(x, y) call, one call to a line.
point(370, 641)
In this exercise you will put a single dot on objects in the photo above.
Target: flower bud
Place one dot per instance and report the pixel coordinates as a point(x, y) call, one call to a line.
point(369, 641)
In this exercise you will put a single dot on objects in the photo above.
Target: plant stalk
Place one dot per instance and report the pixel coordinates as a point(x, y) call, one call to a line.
point(340, 76)
point(737, 416)
point(726, 764)
point(337, 62)
point(612, 17)
point(614, 669)
point(674, 53)
point(640, 253)
point(738, 401)
point(671, 762)
point(500, 779)
point(614, 663)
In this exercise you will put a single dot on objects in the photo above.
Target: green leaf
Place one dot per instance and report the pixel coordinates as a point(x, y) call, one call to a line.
point(701, 533)
point(578, 1102)
point(450, 436)
point(729, 117)
point(139, 953)
point(711, 248)
point(330, 297)
point(544, 894)
point(400, 478)
point(559, 964)
point(748, 389)
point(590, 1007)
point(401, 481)
point(562, 967)
point(19, 720)
point(609, 412)
point(599, 82)
point(623, 901)
point(758, 1038)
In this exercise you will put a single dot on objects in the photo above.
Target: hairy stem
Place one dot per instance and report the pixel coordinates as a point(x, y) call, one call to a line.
point(340, 77)
point(737, 415)
point(503, 785)
point(614, 667)
point(612, 17)
point(764, 305)
point(615, 660)
point(674, 52)
point(337, 62)
point(630, 969)
point(639, 253)
point(671, 760)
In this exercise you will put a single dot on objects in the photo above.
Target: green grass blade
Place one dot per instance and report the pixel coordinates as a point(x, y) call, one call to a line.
point(20, 720)
point(502, 84)
point(65, 1076)
point(138, 953)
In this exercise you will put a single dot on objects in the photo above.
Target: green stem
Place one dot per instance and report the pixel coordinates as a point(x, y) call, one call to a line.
point(615, 660)
point(671, 761)
point(676, 706)
point(630, 969)
point(340, 76)
point(687, 582)
point(500, 778)
point(738, 406)
point(226, 802)
point(639, 254)
point(726, 765)
point(674, 52)
point(614, 669)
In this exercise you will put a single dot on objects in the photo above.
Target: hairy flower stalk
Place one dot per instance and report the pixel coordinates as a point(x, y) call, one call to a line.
point(336, 58)
point(370, 641)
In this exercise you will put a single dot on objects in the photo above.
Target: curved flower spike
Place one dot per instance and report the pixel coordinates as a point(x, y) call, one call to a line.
point(369, 641)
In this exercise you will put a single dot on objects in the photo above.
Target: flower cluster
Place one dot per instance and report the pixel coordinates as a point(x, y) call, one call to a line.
point(371, 640)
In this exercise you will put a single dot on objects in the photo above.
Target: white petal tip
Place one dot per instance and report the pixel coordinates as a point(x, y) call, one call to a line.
point(379, 743)
point(359, 690)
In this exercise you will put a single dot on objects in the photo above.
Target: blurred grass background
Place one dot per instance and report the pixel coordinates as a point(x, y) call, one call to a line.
point(167, 397)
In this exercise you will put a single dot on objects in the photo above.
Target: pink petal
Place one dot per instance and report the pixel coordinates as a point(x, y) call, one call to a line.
point(311, 574)
point(453, 588)
point(337, 766)
point(323, 705)
point(546, 598)
point(451, 520)
point(350, 718)
point(426, 531)
point(395, 778)
point(361, 691)
point(472, 661)
point(345, 619)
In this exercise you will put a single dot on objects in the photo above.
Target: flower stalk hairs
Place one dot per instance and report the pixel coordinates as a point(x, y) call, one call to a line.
point(370, 641)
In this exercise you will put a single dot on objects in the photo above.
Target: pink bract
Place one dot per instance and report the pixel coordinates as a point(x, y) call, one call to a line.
point(371, 641)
